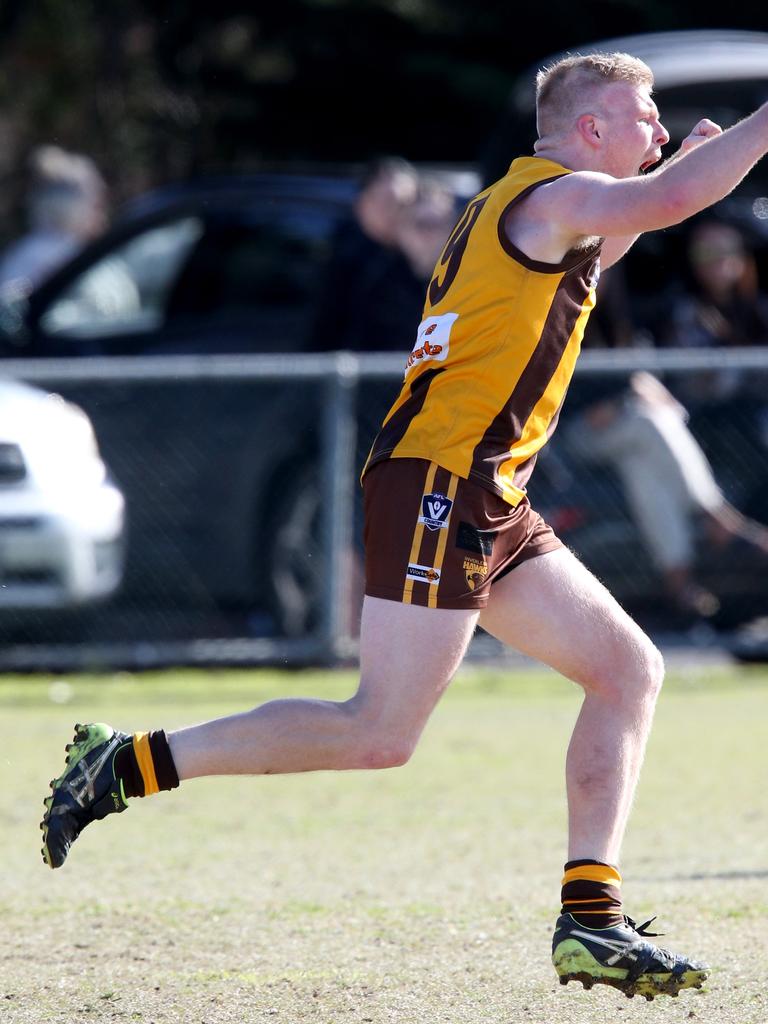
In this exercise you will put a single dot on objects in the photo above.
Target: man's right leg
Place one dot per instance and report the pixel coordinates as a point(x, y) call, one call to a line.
point(408, 655)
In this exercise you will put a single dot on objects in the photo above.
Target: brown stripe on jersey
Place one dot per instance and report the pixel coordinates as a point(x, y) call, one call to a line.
point(506, 429)
point(393, 431)
point(525, 469)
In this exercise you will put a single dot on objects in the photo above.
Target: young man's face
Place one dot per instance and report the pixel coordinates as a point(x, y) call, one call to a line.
point(630, 130)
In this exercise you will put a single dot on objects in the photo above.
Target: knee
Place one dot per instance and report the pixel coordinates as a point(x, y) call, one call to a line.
point(376, 741)
point(380, 752)
point(651, 675)
point(634, 674)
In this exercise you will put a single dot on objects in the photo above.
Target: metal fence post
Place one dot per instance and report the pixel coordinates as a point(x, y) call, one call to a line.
point(338, 490)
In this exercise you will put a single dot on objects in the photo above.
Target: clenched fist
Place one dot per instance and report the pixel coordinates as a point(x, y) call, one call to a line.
point(704, 130)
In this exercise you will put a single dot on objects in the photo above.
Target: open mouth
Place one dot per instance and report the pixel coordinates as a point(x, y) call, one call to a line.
point(649, 163)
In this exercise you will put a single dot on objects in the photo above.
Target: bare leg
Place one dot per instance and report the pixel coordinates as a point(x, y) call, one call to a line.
point(554, 609)
point(408, 656)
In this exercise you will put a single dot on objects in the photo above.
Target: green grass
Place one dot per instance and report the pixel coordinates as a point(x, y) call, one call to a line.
point(425, 893)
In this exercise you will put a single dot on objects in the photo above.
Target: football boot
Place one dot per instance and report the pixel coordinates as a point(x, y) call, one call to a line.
point(85, 791)
point(621, 956)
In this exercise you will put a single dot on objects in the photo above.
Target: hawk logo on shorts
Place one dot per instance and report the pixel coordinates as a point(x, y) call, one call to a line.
point(475, 572)
point(435, 509)
point(422, 573)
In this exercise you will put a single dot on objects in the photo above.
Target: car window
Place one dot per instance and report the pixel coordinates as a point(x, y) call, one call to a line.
point(125, 291)
point(260, 273)
point(254, 272)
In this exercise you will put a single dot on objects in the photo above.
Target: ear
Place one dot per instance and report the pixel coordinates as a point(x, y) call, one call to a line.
point(589, 129)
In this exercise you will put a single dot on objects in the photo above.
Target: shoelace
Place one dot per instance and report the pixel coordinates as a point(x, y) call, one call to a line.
point(642, 929)
point(664, 955)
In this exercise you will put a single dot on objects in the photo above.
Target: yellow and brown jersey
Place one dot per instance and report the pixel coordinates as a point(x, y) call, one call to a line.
point(496, 349)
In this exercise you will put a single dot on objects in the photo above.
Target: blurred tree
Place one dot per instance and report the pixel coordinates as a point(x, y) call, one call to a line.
point(155, 89)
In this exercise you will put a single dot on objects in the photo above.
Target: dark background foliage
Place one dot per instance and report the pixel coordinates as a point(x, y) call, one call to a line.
point(157, 89)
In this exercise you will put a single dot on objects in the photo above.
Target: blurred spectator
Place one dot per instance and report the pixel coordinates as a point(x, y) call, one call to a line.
point(424, 227)
point(395, 311)
point(385, 314)
point(668, 484)
point(720, 306)
point(66, 207)
point(362, 250)
point(640, 430)
point(723, 305)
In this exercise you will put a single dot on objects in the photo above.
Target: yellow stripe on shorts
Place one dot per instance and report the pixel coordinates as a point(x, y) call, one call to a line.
point(440, 555)
point(418, 534)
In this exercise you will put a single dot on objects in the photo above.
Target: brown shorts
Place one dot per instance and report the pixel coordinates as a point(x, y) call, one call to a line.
point(437, 540)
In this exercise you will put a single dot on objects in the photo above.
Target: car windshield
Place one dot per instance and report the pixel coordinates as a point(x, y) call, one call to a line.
point(126, 289)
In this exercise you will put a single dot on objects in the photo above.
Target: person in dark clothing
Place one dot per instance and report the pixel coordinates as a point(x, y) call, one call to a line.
point(395, 306)
point(363, 249)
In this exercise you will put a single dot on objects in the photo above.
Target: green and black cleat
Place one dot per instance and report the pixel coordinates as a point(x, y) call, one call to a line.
point(620, 956)
point(85, 791)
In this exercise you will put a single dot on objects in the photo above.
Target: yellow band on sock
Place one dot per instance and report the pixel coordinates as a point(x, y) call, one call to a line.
point(146, 765)
point(593, 873)
point(597, 899)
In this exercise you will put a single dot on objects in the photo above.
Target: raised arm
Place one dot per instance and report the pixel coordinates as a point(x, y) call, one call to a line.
point(590, 203)
point(615, 246)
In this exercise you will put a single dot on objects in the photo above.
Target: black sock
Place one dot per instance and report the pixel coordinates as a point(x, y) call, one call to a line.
point(144, 764)
point(591, 893)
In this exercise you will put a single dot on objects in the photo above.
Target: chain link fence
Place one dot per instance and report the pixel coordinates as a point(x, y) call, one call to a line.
point(242, 535)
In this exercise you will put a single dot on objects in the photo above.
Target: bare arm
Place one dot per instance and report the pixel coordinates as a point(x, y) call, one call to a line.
point(589, 203)
point(616, 246)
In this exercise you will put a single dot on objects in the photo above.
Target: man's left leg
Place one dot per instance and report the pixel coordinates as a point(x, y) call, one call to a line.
point(553, 609)
point(408, 655)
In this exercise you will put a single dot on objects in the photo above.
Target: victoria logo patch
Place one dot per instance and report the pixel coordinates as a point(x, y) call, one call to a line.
point(435, 509)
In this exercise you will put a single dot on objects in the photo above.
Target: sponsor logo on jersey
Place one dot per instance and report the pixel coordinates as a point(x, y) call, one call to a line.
point(435, 509)
point(475, 572)
point(422, 573)
point(432, 340)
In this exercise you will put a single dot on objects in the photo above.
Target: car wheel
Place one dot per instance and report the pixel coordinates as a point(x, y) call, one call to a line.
point(295, 560)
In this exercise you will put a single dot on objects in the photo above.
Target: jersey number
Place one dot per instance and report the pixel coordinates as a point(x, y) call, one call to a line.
point(454, 250)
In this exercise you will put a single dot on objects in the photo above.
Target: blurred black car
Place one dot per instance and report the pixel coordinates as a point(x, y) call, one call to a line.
point(225, 265)
point(211, 470)
point(220, 475)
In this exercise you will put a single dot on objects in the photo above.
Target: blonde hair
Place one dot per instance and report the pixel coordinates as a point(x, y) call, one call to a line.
point(563, 87)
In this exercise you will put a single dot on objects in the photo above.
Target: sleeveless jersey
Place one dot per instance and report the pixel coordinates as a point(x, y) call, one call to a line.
point(496, 349)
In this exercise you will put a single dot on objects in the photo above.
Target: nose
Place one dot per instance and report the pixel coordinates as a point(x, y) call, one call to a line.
point(661, 136)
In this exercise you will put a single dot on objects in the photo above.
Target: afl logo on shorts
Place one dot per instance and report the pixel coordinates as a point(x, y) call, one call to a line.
point(435, 509)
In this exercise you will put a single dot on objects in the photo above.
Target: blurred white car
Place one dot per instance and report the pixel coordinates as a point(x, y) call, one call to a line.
point(61, 516)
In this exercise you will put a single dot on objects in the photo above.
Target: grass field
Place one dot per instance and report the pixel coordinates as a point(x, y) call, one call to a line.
point(421, 894)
